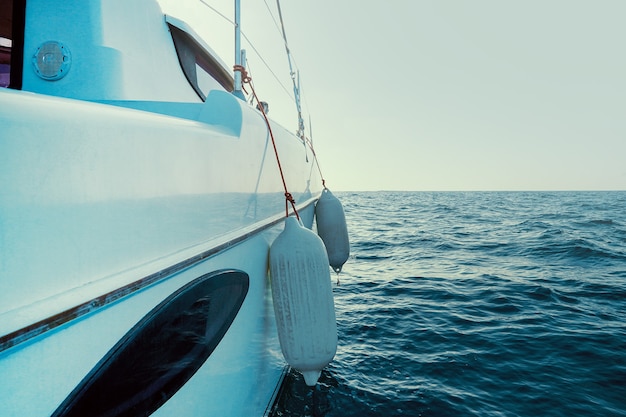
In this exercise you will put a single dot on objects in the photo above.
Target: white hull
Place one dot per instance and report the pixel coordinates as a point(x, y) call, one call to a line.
point(239, 378)
point(126, 190)
point(98, 191)
point(105, 212)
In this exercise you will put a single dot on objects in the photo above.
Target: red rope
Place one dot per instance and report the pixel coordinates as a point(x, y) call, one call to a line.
point(288, 197)
point(245, 78)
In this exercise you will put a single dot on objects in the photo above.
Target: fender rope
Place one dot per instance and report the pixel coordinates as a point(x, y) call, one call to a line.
point(246, 79)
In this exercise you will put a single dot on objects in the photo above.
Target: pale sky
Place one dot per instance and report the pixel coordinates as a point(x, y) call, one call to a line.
point(448, 94)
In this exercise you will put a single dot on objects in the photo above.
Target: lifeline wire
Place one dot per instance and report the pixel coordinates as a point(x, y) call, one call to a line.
point(246, 79)
point(296, 89)
point(308, 141)
point(226, 18)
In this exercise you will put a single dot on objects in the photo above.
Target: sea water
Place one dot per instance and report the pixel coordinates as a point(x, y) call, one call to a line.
point(477, 304)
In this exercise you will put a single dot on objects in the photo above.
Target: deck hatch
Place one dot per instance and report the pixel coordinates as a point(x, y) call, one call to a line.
point(162, 351)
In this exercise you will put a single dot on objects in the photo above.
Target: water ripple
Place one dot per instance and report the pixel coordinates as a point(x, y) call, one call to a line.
point(477, 304)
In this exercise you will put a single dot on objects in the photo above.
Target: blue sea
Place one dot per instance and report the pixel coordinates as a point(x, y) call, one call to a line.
point(477, 304)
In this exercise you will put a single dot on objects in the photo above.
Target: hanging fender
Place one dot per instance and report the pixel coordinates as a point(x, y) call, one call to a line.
point(332, 228)
point(303, 300)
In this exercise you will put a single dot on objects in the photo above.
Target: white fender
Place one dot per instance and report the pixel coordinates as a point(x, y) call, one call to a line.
point(332, 228)
point(303, 300)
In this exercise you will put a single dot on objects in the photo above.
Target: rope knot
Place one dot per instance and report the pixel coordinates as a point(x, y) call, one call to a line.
point(290, 198)
point(245, 78)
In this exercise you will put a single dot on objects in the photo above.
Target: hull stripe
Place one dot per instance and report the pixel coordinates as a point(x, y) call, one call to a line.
point(28, 332)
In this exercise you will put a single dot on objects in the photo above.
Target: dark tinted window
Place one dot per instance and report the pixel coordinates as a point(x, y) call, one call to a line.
point(11, 42)
point(159, 355)
point(201, 69)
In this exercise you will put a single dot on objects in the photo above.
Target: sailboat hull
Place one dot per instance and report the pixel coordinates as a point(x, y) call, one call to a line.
point(105, 212)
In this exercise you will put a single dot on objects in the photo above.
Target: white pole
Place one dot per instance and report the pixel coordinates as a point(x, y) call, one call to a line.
point(237, 76)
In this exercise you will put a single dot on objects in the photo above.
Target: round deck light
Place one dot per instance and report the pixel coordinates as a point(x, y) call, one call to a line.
point(52, 60)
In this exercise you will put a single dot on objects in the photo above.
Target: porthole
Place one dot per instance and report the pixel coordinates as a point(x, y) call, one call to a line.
point(52, 60)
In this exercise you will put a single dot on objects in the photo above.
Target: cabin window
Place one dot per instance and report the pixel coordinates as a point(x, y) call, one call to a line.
point(5, 61)
point(203, 72)
point(162, 352)
point(11, 42)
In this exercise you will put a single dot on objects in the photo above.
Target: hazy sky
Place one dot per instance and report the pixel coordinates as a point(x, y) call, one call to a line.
point(449, 95)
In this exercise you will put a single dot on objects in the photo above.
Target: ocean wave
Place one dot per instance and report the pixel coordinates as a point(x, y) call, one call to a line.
point(478, 304)
point(574, 250)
